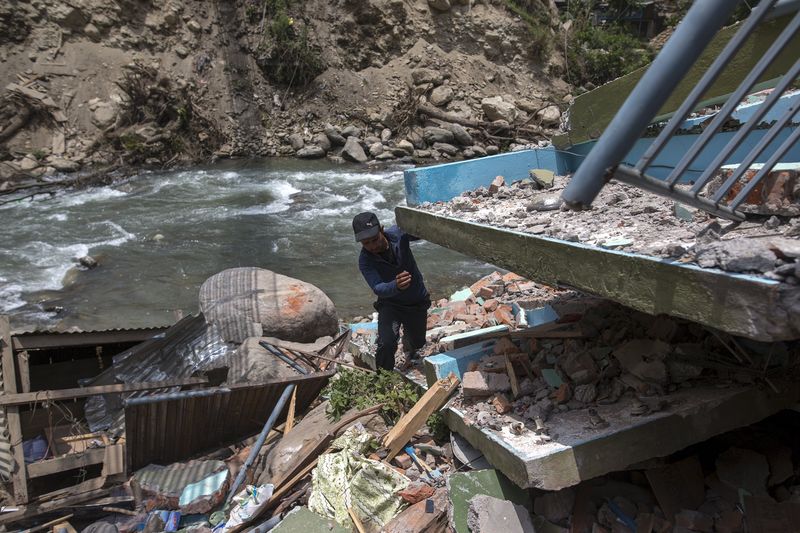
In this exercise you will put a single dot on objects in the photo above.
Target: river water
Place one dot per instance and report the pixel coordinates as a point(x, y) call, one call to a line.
point(159, 235)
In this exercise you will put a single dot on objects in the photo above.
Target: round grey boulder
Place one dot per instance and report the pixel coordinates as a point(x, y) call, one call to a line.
point(287, 308)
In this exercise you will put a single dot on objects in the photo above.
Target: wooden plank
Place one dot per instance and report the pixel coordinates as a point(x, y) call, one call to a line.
point(83, 392)
point(66, 462)
point(24, 371)
point(512, 377)
point(290, 413)
point(356, 520)
point(47, 525)
point(18, 477)
point(433, 399)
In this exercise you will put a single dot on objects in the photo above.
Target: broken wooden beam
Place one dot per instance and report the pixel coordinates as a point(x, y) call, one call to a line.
point(83, 392)
point(433, 400)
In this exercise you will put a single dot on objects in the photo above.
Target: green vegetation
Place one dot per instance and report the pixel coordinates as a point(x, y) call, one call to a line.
point(286, 54)
point(597, 54)
point(354, 389)
point(534, 13)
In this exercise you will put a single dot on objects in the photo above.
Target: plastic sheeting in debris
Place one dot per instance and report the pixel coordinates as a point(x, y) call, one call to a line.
point(189, 346)
point(347, 479)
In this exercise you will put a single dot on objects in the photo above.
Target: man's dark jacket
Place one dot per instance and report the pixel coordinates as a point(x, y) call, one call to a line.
point(380, 273)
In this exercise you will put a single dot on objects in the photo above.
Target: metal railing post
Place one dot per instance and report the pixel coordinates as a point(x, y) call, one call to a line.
point(702, 22)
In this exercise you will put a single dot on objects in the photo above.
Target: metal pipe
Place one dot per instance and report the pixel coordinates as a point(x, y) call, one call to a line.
point(760, 146)
point(633, 177)
point(691, 37)
point(773, 160)
point(182, 395)
point(276, 411)
point(734, 99)
point(280, 355)
point(743, 131)
point(688, 105)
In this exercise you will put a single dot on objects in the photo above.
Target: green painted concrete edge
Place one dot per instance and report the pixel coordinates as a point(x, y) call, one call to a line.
point(643, 440)
point(743, 305)
point(591, 112)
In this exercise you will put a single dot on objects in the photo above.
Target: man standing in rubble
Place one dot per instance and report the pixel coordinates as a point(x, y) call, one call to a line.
point(388, 265)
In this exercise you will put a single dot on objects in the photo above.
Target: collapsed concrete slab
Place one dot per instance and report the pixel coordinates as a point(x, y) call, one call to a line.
point(577, 451)
point(745, 305)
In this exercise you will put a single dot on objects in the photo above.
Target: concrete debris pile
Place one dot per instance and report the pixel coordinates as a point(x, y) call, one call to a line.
point(625, 218)
point(740, 481)
point(526, 385)
point(494, 300)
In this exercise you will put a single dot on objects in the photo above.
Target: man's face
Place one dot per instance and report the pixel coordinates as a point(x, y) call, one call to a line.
point(377, 244)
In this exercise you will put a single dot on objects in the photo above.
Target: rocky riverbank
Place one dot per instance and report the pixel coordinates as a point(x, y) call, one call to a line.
point(102, 84)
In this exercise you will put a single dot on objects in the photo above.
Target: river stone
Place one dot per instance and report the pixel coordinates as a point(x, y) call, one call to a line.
point(375, 149)
point(445, 148)
point(105, 114)
point(460, 134)
point(321, 140)
point(311, 151)
point(550, 115)
point(286, 308)
point(353, 151)
point(441, 96)
point(251, 363)
point(426, 75)
point(351, 131)
point(432, 134)
point(495, 108)
point(405, 148)
point(334, 136)
point(440, 5)
point(296, 140)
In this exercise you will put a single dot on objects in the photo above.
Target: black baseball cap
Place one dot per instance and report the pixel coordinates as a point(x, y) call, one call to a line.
point(365, 226)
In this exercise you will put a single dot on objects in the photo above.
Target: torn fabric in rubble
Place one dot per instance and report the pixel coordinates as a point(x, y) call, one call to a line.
point(345, 478)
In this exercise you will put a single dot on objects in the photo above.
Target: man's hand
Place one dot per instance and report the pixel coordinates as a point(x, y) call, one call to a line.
point(403, 280)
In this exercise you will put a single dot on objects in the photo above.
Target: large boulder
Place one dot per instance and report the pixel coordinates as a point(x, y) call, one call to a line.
point(495, 108)
point(285, 307)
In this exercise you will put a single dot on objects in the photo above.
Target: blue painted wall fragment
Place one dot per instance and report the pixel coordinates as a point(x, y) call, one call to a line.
point(456, 361)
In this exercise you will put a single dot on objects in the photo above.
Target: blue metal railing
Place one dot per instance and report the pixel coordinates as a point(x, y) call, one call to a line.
point(703, 20)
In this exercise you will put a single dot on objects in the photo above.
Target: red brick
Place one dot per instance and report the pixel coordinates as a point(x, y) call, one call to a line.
point(416, 492)
point(497, 182)
point(486, 292)
point(403, 461)
point(501, 404)
point(505, 345)
point(511, 277)
point(563, 394)
point(503, 315)
point(490, 305)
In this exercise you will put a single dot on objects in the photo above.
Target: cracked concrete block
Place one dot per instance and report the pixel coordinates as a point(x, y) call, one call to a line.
point(488, 514)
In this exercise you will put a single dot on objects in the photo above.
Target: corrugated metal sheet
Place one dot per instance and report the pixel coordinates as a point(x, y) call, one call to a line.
point(44, 339)
point(78, 331)
point(175, 430)
point(188, 346)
